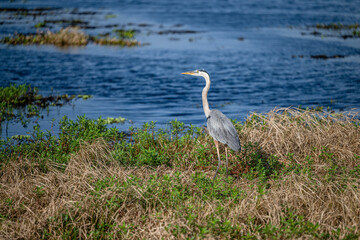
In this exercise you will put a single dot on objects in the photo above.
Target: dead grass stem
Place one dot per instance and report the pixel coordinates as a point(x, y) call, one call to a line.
point(305, 133)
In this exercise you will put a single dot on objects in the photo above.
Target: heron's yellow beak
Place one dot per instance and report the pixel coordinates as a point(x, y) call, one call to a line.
point(188, 73)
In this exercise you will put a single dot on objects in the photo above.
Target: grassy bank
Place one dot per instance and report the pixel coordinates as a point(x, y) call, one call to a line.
point(296, 177)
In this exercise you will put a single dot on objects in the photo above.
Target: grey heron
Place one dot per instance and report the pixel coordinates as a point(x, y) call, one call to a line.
point(220, 127)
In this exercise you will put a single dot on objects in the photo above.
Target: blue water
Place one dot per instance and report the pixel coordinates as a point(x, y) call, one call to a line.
point(144, 84)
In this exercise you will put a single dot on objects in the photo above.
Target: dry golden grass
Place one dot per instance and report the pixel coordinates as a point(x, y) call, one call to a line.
point(70, 36)
point(116, 41)
point(96, 192)
point(305, 133)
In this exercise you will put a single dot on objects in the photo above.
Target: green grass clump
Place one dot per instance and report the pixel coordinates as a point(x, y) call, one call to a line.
point(108, 16)
point(90, 181)
point(111, 120)
point(356, 33)
point(40, 25)
point(85, 97)
point(122, 33)
point(124, 38)
point(44, 147)
point(17, 95)
point(24, 101)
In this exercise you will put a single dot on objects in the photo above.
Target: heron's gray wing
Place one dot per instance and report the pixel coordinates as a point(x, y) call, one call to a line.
point(222, 129)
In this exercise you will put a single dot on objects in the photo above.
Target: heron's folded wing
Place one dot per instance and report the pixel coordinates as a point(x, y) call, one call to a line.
point(222, 129)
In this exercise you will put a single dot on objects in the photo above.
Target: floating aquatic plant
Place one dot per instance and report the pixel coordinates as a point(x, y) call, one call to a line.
point(85, 97)
point(337, 30)
point(108, 16)
point(69, 36)
point(24, 101)
point(40, 25)
point(114, 41)
point(337, 26)
point(122, 33)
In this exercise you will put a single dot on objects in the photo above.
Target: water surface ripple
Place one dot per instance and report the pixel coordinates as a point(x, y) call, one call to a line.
point(271, 66)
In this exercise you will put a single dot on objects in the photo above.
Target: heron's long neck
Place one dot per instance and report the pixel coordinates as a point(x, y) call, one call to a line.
point(204, 96)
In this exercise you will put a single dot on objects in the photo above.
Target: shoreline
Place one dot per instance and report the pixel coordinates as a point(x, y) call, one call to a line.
point(296, 166)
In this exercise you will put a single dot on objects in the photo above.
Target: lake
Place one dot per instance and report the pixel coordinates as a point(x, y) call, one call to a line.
point(260, 55)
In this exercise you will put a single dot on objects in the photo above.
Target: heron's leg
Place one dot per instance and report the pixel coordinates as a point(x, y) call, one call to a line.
point(227, 162)
point(218, 153)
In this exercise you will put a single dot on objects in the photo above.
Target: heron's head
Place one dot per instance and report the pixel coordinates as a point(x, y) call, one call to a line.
point(200, 73)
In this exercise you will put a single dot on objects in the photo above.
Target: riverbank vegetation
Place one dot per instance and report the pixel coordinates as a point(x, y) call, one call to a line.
point(20, 102)
point(297, 176)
